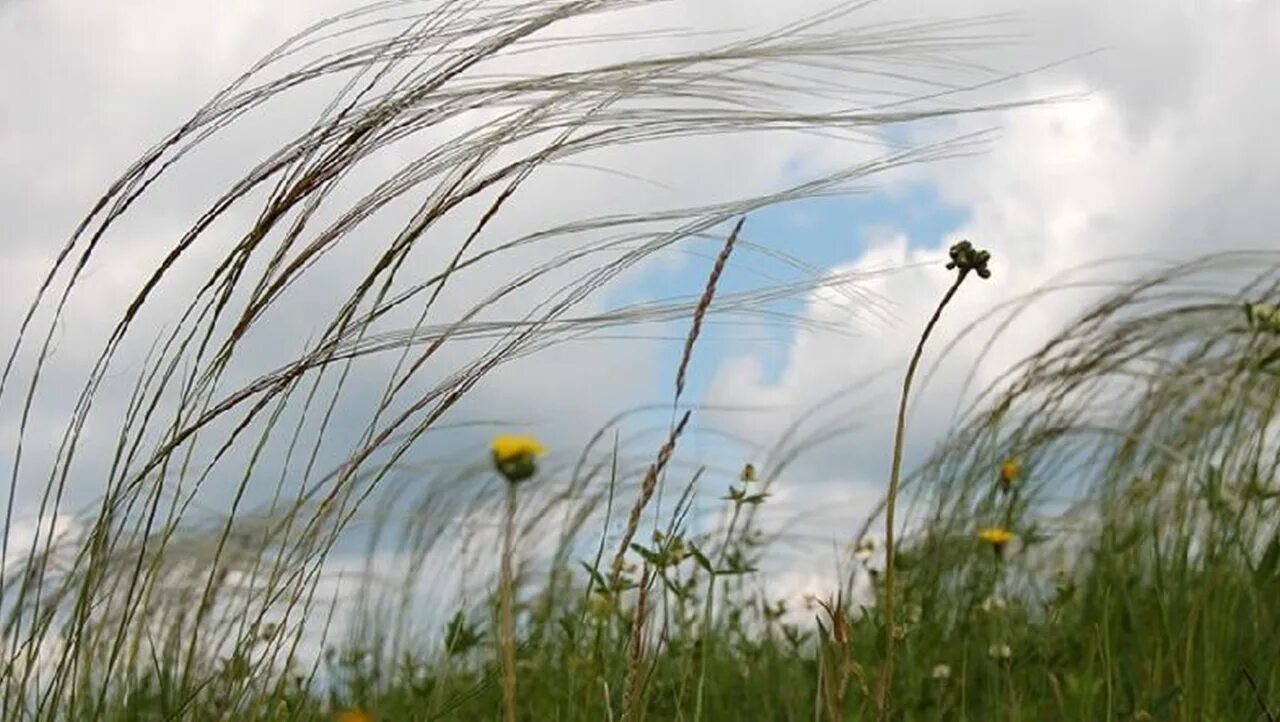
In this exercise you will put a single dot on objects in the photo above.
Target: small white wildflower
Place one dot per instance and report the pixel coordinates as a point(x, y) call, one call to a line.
point(941, 671)
point(999, 651)
point(993, 604)
point(914, 613)
point(866, 548)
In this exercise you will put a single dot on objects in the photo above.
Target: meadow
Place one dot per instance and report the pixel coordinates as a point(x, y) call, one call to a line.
point(1095, 539)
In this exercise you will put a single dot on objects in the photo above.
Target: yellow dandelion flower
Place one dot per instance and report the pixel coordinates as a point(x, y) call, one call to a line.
point(355, 715)
point(1009, 473)
point(510, 448)
point(516, 457)
point(996, 537)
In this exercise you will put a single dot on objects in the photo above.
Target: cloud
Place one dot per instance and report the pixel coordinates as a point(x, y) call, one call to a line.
point(1163, 153)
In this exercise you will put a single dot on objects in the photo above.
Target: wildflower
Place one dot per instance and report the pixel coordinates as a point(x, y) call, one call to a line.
point(999, 652)
point(940, 672)
point(1009, 473)
point(867, 554)
point(748, 473)
point(914, 613)
point(866, 549)
point(355, 715)
point(967, 258)
point(992, 604)
point(516, 456)
point(996, 537)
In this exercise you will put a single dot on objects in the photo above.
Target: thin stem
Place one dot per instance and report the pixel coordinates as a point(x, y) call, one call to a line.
point(507, 617)
point(895, 474)
point(707, 636)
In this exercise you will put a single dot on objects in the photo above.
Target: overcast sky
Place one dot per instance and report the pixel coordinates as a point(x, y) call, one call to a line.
point(1162, 152)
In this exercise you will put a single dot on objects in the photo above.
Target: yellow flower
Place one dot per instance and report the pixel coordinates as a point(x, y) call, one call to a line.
point(996, 537)
point(355, 715)
point(1009, 473)
point(512, 448)
point(516, 456)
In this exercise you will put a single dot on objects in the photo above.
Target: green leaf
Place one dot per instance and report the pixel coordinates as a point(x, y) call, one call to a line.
point(701, 558)
point(653, 557)
point(595, 575)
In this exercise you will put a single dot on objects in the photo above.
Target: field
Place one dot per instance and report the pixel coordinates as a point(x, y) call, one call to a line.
point(1095, 538)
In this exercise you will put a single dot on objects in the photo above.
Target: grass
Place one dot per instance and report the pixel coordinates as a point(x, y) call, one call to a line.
point(1139, 583)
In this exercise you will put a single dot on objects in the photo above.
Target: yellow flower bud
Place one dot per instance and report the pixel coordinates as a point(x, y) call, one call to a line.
point(516, 457)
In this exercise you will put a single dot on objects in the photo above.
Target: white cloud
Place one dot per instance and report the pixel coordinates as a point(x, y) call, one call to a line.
point(1166, 154)
point(53, 534)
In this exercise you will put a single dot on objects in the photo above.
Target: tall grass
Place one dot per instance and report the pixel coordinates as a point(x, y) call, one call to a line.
point(1139, 583)
point(1145, 561)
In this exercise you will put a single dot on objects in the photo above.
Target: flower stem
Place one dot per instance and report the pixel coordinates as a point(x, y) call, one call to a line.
point(506, 615)
point(895, 474)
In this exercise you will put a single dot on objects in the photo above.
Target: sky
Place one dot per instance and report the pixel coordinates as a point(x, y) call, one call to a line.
point(1157, 149)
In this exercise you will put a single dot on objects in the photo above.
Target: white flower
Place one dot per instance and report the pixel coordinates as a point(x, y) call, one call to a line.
point(914, 613)
point(993, 604)
point(941, 671)
point(866, 548)
point(868, 553)
point(999, 651)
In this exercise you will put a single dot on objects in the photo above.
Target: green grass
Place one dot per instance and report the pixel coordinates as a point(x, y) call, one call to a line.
point(1141, 582)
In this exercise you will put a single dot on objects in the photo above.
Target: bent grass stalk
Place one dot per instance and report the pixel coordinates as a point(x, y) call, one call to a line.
point(633, 688)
